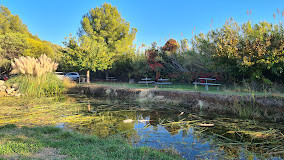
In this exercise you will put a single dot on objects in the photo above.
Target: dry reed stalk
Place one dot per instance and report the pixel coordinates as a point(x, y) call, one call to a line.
point(33, 66)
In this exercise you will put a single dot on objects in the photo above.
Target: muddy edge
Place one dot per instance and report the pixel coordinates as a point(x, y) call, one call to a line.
point(184, 96)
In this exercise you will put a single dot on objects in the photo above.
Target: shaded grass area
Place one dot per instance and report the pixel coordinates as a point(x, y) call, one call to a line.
point(55, 143)
point(224, 90)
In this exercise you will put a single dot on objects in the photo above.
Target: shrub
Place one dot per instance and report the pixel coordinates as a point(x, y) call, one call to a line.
point(32, 66)
point(45, 85)
point(36, 77)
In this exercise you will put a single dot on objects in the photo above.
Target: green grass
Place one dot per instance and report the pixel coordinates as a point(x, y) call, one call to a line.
point(55, 143)
point(45, 85)
point(224, 90)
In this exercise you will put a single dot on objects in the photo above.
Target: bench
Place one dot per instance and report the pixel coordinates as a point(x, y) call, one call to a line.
point(111, 79)
point(206, 84)
point(163, 82)
point(146, 81)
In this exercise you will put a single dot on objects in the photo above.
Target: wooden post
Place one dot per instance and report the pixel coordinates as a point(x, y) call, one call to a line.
point(89, 106)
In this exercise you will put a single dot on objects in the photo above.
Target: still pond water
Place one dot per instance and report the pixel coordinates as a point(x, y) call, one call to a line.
point(162, 127)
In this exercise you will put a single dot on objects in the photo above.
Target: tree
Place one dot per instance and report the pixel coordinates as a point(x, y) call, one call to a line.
point(36, 48)
point(11, 23)
point(106, 26)
point(16, 40)
point(172, 45)
point(103, 37)
point(12, 45)
point(184, 45)
point(246, 51)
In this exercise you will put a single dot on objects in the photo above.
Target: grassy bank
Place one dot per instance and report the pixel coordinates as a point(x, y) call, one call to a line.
point(55, 143)
point(224, 90)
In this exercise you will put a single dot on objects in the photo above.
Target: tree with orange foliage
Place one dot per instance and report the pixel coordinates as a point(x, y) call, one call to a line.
point(171, 45)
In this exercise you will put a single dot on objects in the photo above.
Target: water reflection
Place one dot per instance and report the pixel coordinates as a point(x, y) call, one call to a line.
point(161, 127)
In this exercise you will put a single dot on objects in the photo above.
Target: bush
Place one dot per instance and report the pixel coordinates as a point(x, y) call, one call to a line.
point(32, 66)
point(45, 85)
point(36, 77)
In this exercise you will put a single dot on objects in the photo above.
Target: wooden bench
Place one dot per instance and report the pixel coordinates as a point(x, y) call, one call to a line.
point(206, 84)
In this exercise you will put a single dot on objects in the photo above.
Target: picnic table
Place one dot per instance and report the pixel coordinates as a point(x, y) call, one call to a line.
point(206, 84)
point(113, 79)
point(146, 81)
point(82, 79)
point(163, 82)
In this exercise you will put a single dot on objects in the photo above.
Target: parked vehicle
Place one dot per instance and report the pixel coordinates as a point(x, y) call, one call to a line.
point(60, 75)
point(73, 76)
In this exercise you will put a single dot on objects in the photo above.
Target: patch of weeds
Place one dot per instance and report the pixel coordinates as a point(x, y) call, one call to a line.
point(46, 130)
point(8, 126)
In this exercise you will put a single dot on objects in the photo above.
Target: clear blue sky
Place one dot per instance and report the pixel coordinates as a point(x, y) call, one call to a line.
point(53, 20)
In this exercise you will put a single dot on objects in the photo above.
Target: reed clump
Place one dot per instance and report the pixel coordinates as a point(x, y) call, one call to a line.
point(35, 77)
point(32, 66)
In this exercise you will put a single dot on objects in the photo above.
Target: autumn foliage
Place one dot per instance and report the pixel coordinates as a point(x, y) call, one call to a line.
point(154, 61)
point(171, 45)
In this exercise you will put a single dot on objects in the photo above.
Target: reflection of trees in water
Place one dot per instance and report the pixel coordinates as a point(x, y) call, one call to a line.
point(106, 123)
point(165, 116)
point(230, 144)
point(233, 137)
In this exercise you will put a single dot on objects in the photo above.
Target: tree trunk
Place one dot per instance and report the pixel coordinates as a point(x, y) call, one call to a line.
point(88, 76)
point(106, 73)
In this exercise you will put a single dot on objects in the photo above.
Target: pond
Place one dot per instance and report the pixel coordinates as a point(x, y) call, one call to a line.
point(157, 125)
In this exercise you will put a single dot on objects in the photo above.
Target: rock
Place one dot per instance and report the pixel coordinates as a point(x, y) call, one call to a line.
point(3, 88)
point(2, 82)
point(13, 93)
point(3, 94)
point(17, 95)
point(16, 86)
point(10, 90)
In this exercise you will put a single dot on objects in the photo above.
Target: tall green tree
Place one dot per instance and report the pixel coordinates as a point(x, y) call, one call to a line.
point(16, 40)
point(103, 37)
point(246, 51)
point(11, 23)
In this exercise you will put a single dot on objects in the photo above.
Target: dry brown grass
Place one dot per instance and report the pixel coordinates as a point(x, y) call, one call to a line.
point(33, 66)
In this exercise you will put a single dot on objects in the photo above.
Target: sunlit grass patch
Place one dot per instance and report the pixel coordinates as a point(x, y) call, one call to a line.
point(14, 143)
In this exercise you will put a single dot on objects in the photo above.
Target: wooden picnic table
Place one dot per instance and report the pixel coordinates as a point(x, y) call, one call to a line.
point(163, 82)
point(206, 84)
point(111, 79)
point(146, 81)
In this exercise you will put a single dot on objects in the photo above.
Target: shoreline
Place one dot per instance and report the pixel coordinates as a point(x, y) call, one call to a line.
point(120, 92)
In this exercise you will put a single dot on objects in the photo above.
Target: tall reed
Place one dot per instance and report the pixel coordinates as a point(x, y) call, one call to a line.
point(32, 66)
point(35, 76)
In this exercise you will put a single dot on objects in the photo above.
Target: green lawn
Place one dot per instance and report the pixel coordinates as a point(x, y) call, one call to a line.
point(224, 90)
point(55, 143)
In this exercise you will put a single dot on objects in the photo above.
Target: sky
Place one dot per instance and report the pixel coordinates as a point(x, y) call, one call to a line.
point(155, 20)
